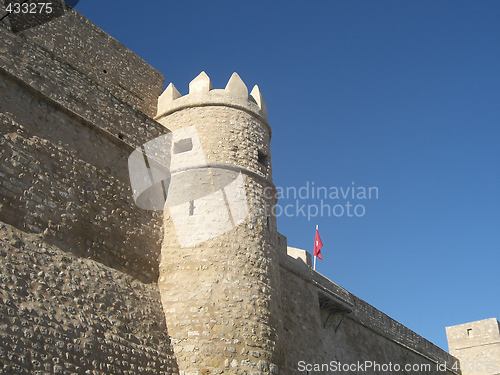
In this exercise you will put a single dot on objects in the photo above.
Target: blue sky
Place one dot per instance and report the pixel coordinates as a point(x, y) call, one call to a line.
point(398, 95)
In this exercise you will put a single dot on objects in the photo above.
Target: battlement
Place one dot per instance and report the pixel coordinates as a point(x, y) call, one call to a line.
point(201, 94)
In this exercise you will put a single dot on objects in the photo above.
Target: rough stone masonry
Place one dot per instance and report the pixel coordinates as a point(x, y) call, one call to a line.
point(92, 284)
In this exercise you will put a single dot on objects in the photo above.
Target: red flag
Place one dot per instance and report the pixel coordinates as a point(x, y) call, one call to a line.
point(317, 246)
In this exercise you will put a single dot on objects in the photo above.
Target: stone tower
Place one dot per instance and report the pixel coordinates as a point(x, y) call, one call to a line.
point(477, 346)
point(219, 268)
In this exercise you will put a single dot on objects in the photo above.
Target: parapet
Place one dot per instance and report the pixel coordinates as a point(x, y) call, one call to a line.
point(201, 94)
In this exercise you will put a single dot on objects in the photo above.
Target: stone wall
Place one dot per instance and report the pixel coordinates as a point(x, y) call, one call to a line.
point(65, 144)
point(69, 182)
point(79, 260)
point(78, 43)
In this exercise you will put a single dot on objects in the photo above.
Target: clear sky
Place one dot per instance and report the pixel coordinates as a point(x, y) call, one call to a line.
point(398, 95)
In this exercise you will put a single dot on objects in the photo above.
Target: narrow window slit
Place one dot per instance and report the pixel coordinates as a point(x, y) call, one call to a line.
point(262, 158)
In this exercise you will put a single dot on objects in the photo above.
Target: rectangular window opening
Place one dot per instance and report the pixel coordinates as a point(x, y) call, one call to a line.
point(184, 145)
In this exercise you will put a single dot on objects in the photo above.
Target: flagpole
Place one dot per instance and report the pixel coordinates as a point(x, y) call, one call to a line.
point(314, 265)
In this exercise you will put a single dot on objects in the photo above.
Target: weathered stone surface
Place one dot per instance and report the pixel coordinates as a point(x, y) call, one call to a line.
point(78, 43)
point(69, 182)
point(64, 314)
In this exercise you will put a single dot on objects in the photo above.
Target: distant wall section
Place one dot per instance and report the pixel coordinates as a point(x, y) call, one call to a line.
point(326, 325)
point(477, 346)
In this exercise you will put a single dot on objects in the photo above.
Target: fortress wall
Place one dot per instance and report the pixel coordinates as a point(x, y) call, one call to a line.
point(65, 141)
point(63, 314)
point(77, 42)
point(364, 334)
point(79, 260)
point(60, 84)
point(70, 183)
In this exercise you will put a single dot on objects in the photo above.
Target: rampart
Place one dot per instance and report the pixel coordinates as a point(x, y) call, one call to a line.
point(335, 325)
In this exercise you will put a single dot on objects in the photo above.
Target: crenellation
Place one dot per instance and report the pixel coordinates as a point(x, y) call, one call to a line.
point(258, 98)
point(201, 94)
point(200, 85)
point(168, 96)
point(236, 87)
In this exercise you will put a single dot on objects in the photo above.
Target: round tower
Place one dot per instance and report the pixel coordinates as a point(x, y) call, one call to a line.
point(219, 268)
